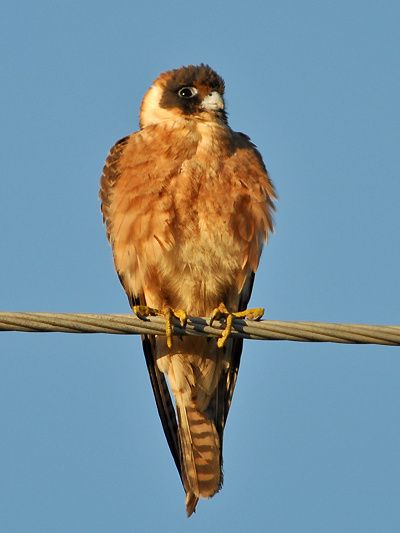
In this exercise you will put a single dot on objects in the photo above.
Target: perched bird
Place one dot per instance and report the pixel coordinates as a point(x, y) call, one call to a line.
point(187, 204)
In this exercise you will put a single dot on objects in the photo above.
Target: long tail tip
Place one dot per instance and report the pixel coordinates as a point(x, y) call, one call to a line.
point(191, 502)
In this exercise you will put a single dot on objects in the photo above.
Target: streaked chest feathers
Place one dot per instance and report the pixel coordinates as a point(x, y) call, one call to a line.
point(189, 198)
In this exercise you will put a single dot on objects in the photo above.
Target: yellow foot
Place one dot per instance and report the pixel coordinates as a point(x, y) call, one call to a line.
point(167, 313)
point(222, 312)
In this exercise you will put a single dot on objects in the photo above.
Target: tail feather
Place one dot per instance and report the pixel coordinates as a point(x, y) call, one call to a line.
point(200, 452)
point(201, 378)
point(191, 502)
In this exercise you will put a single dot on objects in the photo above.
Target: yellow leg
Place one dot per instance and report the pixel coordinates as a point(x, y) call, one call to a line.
point(167, 313)
point(222, 312)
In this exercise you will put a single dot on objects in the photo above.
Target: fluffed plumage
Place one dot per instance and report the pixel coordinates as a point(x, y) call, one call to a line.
point(187, 204)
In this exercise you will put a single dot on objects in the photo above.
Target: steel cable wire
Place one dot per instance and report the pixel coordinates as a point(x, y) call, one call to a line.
point(260, 330)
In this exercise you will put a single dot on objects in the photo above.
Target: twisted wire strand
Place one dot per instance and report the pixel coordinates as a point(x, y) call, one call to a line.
point(259, 330)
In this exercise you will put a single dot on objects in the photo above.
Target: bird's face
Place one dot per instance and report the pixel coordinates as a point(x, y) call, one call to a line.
point(186, 93)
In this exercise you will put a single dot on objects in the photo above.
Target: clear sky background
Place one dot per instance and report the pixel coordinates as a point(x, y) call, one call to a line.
point(312, 442)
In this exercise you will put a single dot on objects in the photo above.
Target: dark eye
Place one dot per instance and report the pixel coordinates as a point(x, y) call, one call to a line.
point(187, 92)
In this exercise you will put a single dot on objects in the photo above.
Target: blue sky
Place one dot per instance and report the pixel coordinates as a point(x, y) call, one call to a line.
point(312, 441)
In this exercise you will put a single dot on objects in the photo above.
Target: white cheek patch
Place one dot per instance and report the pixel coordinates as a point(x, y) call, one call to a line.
point(150, 110)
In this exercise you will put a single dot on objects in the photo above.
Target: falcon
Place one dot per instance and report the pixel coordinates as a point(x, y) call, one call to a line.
point(187, 204)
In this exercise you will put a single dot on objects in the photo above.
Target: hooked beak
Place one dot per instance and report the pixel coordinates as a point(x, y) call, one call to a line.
point(213, 101)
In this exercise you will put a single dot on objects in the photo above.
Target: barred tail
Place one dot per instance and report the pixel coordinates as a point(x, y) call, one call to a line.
point(200, 451)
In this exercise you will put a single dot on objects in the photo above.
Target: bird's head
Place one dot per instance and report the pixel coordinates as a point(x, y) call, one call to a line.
point(193, 92)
